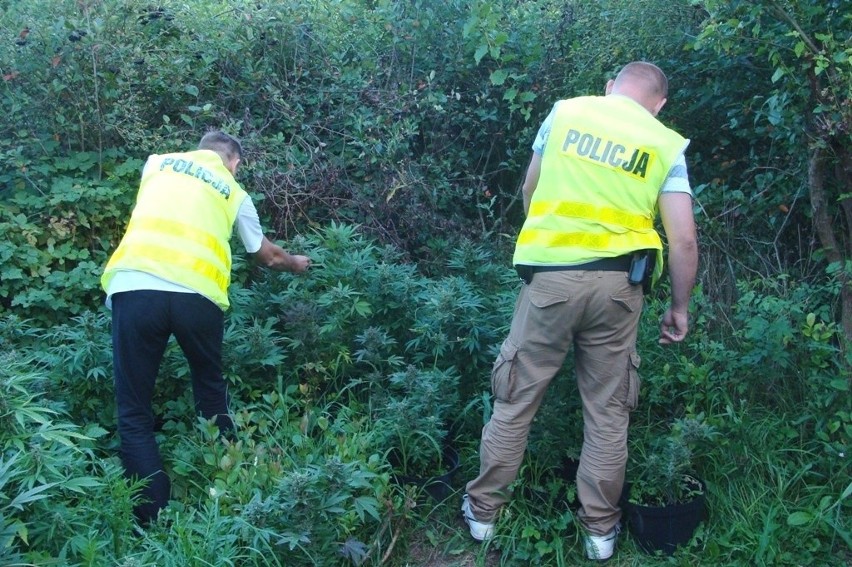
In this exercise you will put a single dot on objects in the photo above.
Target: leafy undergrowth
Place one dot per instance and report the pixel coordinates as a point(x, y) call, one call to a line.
point(319, 364)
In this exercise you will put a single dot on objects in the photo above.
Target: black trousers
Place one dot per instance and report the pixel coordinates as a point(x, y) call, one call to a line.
point(142, 322)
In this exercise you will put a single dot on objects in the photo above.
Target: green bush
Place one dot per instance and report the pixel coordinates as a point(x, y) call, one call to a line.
point(360, 296)
point(770, 381)
point(62, 217)
point(299, 482)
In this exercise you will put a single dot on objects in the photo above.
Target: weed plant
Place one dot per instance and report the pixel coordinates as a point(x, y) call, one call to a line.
point(661, 474)
point(413, 419)
point(60, 497)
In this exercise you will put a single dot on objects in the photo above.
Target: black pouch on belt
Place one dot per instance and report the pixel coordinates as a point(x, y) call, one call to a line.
point(642, 268)
point(525, 273)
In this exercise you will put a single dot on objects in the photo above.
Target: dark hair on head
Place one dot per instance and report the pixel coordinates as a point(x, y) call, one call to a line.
point(223, 144)
point(651, 76)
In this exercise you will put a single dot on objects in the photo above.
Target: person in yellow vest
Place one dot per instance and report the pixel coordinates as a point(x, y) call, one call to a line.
point(601, 169)
point(170, 276)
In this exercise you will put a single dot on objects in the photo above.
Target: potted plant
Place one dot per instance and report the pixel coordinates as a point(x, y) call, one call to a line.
point(412, 427)
point(665, 500)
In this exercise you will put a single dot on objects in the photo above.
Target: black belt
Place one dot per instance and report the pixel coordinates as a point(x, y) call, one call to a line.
point(617, 264)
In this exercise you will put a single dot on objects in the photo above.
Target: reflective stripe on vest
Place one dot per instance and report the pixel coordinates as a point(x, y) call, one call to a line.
point(182, 223)
point(605, 161)
point(208, 270)
point(606, 215)
point(587, 240)
point(183, 231)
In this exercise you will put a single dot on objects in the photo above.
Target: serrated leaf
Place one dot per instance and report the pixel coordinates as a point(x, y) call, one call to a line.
point(367, 505)
point(31, 495)
point(354, 550)
point(21, 531)
point(498, 77)
point(79, 484)
point(362, 308)
point(480, 53)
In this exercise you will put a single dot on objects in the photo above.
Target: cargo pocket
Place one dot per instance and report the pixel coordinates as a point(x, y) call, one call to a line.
point(631, 395)
point(630, 302)
point(542, 298)
point(503, 375)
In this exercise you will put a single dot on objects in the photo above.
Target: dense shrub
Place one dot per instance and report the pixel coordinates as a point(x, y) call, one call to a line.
point(415, 123)
point(308, 357)
point(781, 421)
point(61, 216)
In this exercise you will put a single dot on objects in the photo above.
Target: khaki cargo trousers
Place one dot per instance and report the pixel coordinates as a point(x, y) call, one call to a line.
point(596, 313)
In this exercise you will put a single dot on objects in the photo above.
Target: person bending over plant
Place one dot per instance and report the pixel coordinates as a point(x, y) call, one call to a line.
point(170, 276)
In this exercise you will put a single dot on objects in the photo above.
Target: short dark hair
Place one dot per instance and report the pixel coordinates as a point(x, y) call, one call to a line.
point(652, 77)
point(223, 144)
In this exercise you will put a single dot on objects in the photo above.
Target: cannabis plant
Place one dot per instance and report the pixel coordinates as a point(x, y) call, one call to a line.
point(413, 418)
point(665, 473)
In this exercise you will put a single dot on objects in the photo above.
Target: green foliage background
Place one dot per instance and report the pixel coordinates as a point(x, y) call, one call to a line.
point(387, 140)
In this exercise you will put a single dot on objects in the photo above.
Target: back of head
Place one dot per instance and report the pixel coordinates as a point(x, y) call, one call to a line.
point(644, 82)
point(228, 147)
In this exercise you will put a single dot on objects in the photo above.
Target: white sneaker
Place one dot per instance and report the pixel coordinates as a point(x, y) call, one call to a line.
point(601, 547)
point(480, 531)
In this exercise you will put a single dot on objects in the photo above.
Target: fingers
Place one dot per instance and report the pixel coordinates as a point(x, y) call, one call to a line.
point(673, 327)
point(667, 338)
point(671, 334)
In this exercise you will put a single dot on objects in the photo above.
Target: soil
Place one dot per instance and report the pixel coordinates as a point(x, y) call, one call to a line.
point(424, 554)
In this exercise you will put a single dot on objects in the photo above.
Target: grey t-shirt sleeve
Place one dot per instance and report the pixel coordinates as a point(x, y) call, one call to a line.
point(544, 132)
point(248, 226)
point(678, 179)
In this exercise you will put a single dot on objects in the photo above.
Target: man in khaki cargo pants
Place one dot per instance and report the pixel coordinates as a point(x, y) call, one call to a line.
point(602, 167)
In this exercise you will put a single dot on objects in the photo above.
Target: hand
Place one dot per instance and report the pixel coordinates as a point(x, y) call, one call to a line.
point(299, 264)
point(673, 327)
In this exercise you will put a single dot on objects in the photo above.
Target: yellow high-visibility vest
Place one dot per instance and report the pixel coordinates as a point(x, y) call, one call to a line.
point(182, 224)
point(604, 163)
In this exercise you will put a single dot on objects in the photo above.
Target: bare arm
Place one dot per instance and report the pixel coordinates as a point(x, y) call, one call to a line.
point(276, 258)
point(679, 224)
point(531, 181)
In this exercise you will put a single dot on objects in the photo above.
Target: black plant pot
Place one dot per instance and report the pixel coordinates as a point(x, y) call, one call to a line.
point(663, 528)
point(439, 487)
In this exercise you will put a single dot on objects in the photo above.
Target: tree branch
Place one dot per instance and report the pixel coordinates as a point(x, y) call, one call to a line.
point(782, 14)
point(819, 202)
